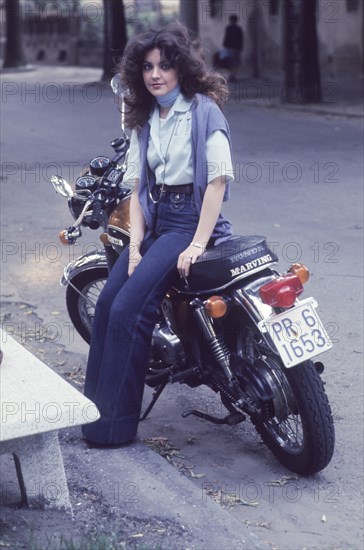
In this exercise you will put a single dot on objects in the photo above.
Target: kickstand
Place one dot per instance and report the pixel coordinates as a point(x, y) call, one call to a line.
point(231, 419)
point(155, 397)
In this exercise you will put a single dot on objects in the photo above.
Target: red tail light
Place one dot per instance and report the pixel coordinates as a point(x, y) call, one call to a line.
point(281, 292)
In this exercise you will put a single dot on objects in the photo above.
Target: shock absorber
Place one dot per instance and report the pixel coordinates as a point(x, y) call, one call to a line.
point(219, 351)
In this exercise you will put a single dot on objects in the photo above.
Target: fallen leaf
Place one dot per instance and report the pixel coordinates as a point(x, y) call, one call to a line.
point(196, 476)
point(174, 452)
point(231, 499)
point(246, 503)
point(282, 481)
point(137, 536)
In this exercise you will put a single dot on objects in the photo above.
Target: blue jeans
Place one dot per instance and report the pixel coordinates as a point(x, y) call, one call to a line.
point(126, 313)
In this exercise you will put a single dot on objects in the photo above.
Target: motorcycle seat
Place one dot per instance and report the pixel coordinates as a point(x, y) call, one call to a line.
point(222, 265)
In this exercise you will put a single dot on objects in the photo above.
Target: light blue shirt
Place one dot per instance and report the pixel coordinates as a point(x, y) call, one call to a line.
point(170, 149)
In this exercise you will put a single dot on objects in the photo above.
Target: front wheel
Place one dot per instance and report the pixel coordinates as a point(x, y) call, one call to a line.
point(301, 432)
point(81, 297)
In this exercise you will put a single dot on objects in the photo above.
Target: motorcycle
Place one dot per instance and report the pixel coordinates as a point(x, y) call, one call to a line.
point(236, 325)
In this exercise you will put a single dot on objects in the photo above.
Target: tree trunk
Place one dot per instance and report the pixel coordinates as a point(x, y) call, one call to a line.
point(14, 53)
point(114, 36)
point(302, 70)
point(188, 12)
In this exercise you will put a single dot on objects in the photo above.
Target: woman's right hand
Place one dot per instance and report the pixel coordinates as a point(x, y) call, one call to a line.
point(137, 228)
point(134, 258)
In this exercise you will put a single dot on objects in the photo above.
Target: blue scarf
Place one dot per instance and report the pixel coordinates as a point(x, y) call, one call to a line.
point(169, 98)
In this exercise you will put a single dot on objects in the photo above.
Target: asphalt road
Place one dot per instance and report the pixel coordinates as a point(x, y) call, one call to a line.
point(299, 182)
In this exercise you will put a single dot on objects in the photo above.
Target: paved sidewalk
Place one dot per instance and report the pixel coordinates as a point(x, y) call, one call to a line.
point(128, 497)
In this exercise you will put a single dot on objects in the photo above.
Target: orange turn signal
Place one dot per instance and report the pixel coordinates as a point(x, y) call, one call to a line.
point(104, 238)
point(215, 307)
point(63, 236)
point(301, 271)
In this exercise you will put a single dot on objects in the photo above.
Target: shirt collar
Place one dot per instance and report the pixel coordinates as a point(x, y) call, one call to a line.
point(181, 105)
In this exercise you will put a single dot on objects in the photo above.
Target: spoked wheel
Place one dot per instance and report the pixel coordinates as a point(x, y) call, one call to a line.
point(81, 302)
point(300, 429)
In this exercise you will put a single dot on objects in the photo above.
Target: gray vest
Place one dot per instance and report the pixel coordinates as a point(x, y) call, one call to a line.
point(206, 119)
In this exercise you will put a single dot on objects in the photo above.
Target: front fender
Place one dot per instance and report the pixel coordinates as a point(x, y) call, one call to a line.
point(83, 263)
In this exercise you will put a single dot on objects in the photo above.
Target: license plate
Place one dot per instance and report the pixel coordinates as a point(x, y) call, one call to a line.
point(298, 333)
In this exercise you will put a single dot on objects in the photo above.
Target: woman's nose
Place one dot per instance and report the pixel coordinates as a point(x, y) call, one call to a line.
point(155, 72)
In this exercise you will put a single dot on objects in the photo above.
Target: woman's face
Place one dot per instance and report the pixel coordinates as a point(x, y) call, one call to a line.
point(159, 76)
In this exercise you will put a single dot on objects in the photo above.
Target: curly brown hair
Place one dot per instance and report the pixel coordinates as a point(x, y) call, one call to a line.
point(184, 53)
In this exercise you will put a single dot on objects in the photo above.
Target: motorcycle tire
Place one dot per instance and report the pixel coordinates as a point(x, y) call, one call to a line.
point(81, 310)
point(301, 435)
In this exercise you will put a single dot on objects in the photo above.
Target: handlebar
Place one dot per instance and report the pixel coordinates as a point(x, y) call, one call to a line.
point(95, 216)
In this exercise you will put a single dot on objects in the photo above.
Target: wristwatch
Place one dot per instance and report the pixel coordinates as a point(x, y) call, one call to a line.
point(198, 245)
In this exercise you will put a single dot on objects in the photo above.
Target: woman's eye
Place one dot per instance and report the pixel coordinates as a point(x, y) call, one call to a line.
point(165, 66)
point(147, 67)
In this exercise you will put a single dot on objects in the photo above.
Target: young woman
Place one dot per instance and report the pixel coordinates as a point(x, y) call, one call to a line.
point(180, 168)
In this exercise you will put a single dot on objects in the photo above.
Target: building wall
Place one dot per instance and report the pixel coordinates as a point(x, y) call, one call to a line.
point(339, 24)
point(340, 35)
point(55, 33)
point(339, 27)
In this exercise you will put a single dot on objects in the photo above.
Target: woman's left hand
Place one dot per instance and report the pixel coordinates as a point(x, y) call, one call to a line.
point(186, 258)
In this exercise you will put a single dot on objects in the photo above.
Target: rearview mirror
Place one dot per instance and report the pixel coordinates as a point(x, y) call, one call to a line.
point(62, 186)
point(119, 89)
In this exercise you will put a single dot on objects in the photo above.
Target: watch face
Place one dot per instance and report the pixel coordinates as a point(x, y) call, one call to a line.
point(85, 182)
point(99, 165)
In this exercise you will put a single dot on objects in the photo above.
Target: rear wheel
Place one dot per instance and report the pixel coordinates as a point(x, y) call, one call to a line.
point(81, 302)
point(299, 428)
point(301, 432)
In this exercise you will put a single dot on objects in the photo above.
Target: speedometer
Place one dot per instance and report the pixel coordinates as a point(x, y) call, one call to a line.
point(99, 165)
point(86, 182)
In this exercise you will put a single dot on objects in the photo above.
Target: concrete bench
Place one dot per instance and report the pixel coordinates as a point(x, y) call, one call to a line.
point(35, 404)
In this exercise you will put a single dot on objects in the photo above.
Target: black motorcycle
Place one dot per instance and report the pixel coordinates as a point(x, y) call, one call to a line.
point(235, 325)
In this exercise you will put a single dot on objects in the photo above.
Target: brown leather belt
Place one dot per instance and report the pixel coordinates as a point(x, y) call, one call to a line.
point(187, 189)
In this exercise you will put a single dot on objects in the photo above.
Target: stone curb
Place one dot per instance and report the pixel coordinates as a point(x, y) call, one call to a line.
point(319, 109)
point(161, 492)
point(22, 69)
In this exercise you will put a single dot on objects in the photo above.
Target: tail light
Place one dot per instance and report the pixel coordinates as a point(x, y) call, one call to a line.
point(281, 292)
